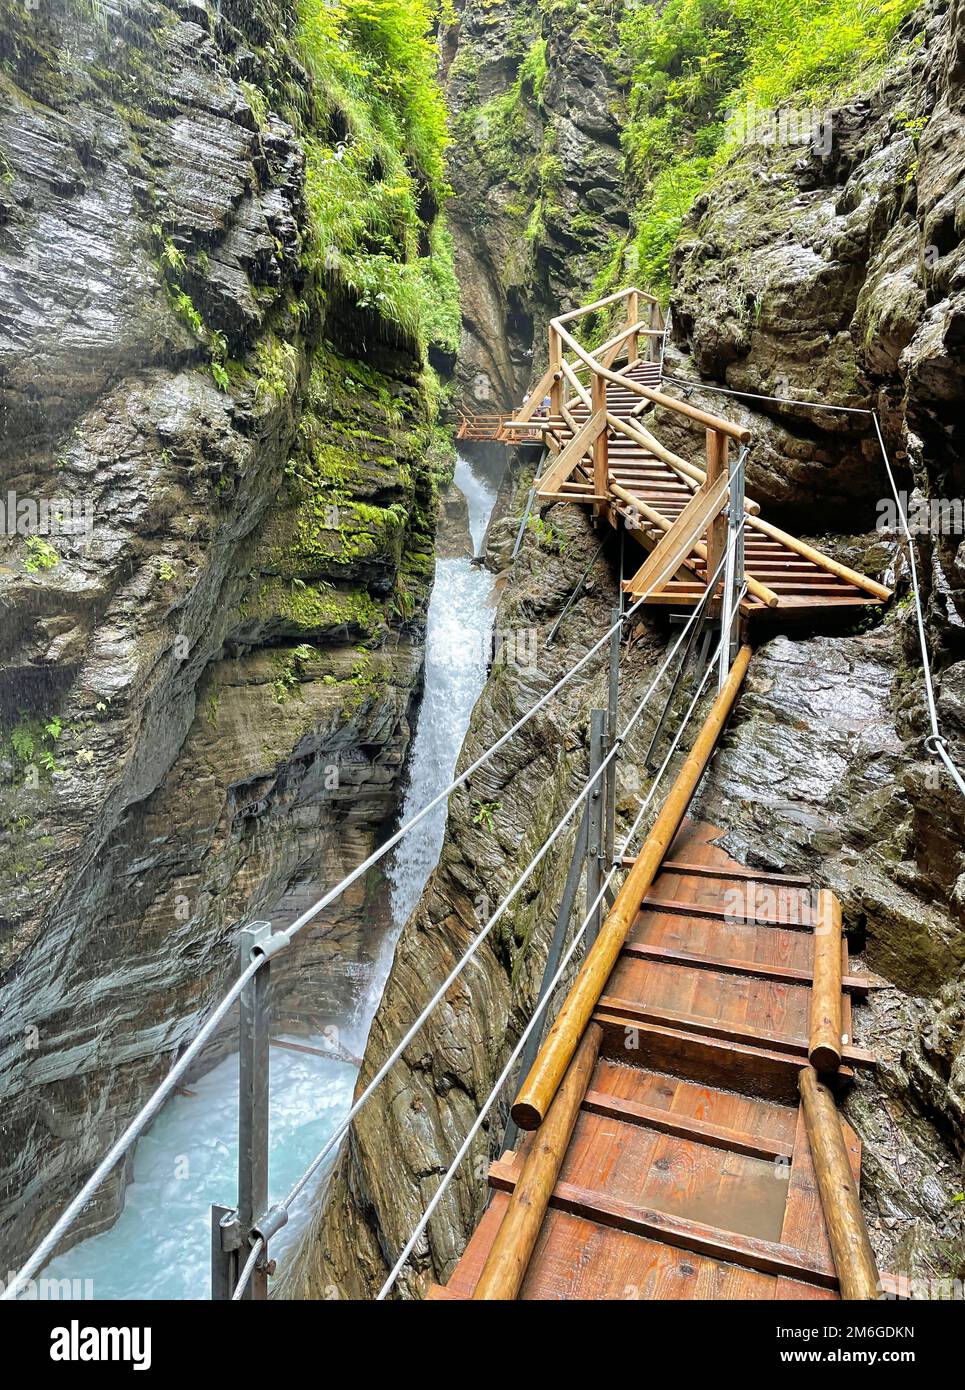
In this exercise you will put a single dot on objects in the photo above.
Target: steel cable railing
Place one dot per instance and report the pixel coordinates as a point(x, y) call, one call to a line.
point(542, 1003)
point(276, 943)
point(344, 1125)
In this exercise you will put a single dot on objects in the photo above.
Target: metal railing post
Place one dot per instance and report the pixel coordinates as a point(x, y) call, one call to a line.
point(733, 568)
point(253, 1101)
point(595, 841)
point(612, 714)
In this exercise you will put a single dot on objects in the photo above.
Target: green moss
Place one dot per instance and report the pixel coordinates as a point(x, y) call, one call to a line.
point(41, 555)
point(375, 136)
point(699, 64)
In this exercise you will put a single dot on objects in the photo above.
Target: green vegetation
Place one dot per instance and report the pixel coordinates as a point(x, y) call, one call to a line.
point(375, 141)
point(701, 69)
point(33, 741)
point(485, 813)
point(290, 667)
point(41, 555)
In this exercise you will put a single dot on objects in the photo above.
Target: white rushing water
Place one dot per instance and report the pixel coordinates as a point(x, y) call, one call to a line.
point(160, 1245)
point(458, 633)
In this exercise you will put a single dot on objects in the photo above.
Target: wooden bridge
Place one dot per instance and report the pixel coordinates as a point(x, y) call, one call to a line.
point(473, 427)
point(604, 452)
point(682, 1132)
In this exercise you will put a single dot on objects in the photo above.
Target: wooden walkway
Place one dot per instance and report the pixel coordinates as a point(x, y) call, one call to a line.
point(604, 452)
point(684, 1140)
point(689, 1171)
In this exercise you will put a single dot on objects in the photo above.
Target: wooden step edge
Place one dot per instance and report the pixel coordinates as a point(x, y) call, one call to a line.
point(779, 974)
point(685, 1126)
point(682, 866)
point(721, 914)
point(633, 1012)
point(749, 1252)
point(706, 1060)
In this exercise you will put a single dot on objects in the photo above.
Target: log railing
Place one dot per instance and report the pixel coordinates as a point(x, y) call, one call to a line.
point(540, 1086)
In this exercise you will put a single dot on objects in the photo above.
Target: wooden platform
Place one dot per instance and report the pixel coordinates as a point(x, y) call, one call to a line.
point(800, 584)
point(689, 1172)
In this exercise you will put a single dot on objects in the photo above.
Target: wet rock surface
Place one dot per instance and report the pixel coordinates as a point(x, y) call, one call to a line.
point(206, 686)
point(537, 109)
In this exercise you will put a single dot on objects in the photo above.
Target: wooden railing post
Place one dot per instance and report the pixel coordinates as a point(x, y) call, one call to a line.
point(600, 450)
point(717, 530)
point(555, 365)
point(633, 316)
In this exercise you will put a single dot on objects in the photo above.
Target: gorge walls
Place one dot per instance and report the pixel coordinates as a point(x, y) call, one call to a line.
point(534, 93)
point(803, 270)
point(206, 683)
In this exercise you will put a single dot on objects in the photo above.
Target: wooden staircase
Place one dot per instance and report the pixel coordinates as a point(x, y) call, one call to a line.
point(604, 452)
point(689, 1171)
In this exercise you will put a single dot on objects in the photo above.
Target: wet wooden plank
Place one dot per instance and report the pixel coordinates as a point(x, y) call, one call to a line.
point(767, 1257)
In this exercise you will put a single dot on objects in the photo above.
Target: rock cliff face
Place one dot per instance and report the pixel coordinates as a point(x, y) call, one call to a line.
point(533, 88)
point(838, 275)
point(209, 658)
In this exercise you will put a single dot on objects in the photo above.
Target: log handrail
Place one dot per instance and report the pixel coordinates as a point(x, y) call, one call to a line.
point(824, 1035)
point(702, 417)
point(541, 1085)
point(605, 303)
point(568, 458)
point(510, 1252)
point(851, 1250)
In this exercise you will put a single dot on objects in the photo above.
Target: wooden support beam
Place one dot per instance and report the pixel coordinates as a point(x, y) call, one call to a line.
point(672, 550)
point(598, 405)
point(633, 313)
point(568, 457)
point(509, 1255)
point(825, 1033)
point(555, 359)
point(539, 1088)
point(850, 1247)
point(717, 448)
point(759, 591)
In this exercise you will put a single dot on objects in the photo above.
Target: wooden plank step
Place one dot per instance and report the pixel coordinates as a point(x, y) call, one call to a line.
point(767, 1257)
point(780, 974)
point(685, 1126)
point(738, 871)
point(633, 1011)
point(652, 903)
